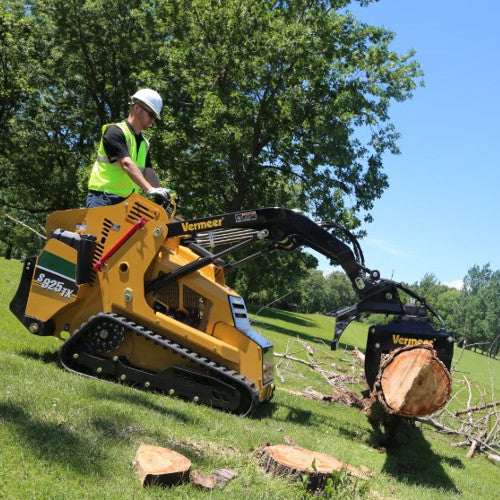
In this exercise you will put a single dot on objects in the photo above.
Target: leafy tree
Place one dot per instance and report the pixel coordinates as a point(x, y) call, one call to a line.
point(445, 302)
point(486, 311)
point(313, 293)
point(340, 291)
point(492, 316)
point(264, 103)
point(317, 293)
point(267, 95)
point(427, 284)
point(431, 289)
point(477, 311)
point(261, 96)
point(275, 276)
point(70, 69)
point(476, 278)
point(76, 69)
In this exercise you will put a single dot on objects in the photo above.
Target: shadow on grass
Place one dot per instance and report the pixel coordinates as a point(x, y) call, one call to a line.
point(293, 413)
point(288, 317)
point(283, 411)
point(410, 459)
point(122, 428)
point(297, 415)
point(137, 398)
point(264, 410)
point(52, 441)
point(348, 347)
point(47, 357)
point(259, 325)
point(115, 429)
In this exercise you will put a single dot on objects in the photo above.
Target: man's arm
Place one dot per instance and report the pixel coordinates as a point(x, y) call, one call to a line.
point(151, 177)
point(135, 174)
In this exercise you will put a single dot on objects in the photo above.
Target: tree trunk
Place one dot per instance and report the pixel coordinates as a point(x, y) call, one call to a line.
point(155, 465)
point(412, 382)
point(295, 462)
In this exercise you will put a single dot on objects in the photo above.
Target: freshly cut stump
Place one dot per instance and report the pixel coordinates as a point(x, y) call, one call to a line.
point(293, 462)
point(412, 382)
point(159, 466)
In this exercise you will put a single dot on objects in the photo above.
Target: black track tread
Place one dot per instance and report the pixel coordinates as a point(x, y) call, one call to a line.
point(246, 388)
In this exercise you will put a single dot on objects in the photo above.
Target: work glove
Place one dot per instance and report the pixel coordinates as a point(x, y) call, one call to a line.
point(159, 191)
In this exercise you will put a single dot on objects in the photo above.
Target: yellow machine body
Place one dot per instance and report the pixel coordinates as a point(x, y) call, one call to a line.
point(196, 311)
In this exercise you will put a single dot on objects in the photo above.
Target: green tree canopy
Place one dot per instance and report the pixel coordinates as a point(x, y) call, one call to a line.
point(266, 103)
point(478, 310)
point(262, 99)
point(266, 97)
point(472, 313)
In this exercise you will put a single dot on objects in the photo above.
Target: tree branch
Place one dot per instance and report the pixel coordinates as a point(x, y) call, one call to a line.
point(26, 226)
point(477, 408)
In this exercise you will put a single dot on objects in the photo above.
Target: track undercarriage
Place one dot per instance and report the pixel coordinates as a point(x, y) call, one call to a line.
point(99, 348)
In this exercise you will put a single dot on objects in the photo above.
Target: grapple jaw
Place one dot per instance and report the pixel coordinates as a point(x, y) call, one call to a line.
point(408, 327)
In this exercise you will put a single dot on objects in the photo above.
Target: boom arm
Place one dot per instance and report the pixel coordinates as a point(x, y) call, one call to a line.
point(287, 230)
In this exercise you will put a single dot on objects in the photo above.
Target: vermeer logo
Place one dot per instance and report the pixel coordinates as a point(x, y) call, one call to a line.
point(397, 339)
point(206, 224)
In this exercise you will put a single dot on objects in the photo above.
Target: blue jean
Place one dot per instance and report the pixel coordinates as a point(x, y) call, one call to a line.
point(102, 199)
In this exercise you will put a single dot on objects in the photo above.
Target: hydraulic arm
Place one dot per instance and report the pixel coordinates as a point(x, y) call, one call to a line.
point(287, 230)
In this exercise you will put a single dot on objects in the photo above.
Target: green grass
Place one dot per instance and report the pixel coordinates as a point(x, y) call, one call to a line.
point(64, 436)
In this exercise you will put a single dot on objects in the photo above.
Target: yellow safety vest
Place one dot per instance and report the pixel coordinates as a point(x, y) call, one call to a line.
point(111, 177)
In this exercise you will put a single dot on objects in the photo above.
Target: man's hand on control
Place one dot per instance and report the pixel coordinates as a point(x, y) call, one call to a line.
point(159, 191)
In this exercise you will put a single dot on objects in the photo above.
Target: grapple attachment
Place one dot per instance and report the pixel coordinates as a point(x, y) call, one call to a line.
point(409, 326)
point(404, 331)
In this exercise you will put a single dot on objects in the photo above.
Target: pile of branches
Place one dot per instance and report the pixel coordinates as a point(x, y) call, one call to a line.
point(476, 426)
point(319, 358)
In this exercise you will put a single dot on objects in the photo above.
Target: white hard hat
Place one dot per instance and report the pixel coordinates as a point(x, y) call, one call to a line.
point(151, 98)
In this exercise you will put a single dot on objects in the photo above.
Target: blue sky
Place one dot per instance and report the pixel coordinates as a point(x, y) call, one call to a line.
point(440, 213)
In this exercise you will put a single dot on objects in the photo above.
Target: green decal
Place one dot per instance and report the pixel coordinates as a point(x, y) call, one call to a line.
point(57, 264)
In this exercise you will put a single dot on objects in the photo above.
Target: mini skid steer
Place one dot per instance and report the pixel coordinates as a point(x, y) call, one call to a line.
point(138, 296)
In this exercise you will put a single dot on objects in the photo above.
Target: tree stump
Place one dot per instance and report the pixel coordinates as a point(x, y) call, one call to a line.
point(412, 382)
point(293, 462)
point(159, 466)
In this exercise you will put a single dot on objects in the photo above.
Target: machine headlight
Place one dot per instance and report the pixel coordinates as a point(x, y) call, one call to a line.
point(268, 365)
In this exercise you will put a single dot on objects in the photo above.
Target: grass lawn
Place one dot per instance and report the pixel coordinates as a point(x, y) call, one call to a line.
point(65, 436)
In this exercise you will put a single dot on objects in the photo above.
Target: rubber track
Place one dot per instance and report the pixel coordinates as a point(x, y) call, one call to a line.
point(249, 394)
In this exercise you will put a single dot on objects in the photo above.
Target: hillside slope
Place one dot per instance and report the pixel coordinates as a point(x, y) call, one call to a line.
point(65, 436)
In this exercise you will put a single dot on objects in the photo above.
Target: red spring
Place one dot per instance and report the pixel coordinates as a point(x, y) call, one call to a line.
point(98, 266)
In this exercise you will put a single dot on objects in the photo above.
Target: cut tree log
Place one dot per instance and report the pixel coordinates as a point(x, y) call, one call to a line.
point(218, 478)
point(201, 481)
point(412, 382)
point(294, 462)
point(159, 466)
